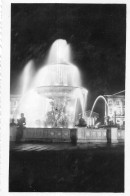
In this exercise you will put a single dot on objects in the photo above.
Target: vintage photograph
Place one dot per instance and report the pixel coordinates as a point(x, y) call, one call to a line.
point(67, 97)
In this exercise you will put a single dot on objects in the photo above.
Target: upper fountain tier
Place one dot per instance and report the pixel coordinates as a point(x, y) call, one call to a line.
point(58, 69)
point(58, 75)
point(59, 52)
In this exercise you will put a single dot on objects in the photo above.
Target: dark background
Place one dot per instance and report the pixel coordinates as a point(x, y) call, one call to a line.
point(85, 168)
point(96, 32)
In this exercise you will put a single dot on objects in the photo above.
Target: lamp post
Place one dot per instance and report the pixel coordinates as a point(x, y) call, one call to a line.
point(115, 115)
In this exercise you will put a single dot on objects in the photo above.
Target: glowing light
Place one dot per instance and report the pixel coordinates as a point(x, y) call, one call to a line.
point(57, 98)
point(70, 126)
point(99, 97)
point(71, 109)
point(59, 52)
point(58, 74)
point(81, 95)
point(114, 108)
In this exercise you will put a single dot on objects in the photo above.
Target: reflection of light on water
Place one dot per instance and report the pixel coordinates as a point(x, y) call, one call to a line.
point(57, 93)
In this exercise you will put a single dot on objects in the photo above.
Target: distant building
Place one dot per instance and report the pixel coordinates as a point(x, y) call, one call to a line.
point(14, 102)
point(115, 111)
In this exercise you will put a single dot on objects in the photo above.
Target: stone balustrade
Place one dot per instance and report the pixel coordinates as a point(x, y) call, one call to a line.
point(91, 135)
point(47, 134)
point(78, 135)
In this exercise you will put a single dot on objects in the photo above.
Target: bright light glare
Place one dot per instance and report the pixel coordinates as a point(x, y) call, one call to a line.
point(58, 74)
point(26, 77)
point(57, 93)
point(59, 52)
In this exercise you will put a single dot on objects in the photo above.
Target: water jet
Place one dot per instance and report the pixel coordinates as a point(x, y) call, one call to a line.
point(99, 97)
point(56, 96)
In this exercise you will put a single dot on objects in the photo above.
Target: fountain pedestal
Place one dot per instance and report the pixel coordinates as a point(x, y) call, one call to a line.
point(112, 135)
point(46, 134)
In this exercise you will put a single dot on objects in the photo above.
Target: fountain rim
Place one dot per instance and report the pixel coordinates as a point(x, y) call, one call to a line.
point(58, 86)
point(60, 63)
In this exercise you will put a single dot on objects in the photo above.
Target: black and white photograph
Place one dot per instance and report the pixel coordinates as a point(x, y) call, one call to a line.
point(67, 97)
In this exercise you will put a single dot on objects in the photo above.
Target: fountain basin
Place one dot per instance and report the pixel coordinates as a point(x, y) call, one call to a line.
point(80, 135)
point(53, 106)
point(64, 103)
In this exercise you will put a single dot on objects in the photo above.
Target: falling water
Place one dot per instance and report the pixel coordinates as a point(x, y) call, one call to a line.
point(56, 90)
point(59, 52)
point(99, 97)
point(26, 77)
point(58, 75)
point(58, 69)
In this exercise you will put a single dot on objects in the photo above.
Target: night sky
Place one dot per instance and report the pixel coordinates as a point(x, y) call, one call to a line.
point(96, 32)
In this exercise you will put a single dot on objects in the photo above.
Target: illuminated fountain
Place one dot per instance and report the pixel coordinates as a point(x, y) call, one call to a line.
point(99, 97)
point(56, 97)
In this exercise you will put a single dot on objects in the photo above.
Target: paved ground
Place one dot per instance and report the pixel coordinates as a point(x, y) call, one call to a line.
point(41, 147)
point(59, 146)
point(38, 167)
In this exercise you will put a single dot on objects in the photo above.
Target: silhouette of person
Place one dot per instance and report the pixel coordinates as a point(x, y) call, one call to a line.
point(21, 125)
point(82, 122)
point(12, 122)
point(22, 120)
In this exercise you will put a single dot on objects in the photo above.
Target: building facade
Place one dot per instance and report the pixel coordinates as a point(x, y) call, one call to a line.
point(14, 103)
point(115, 110)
